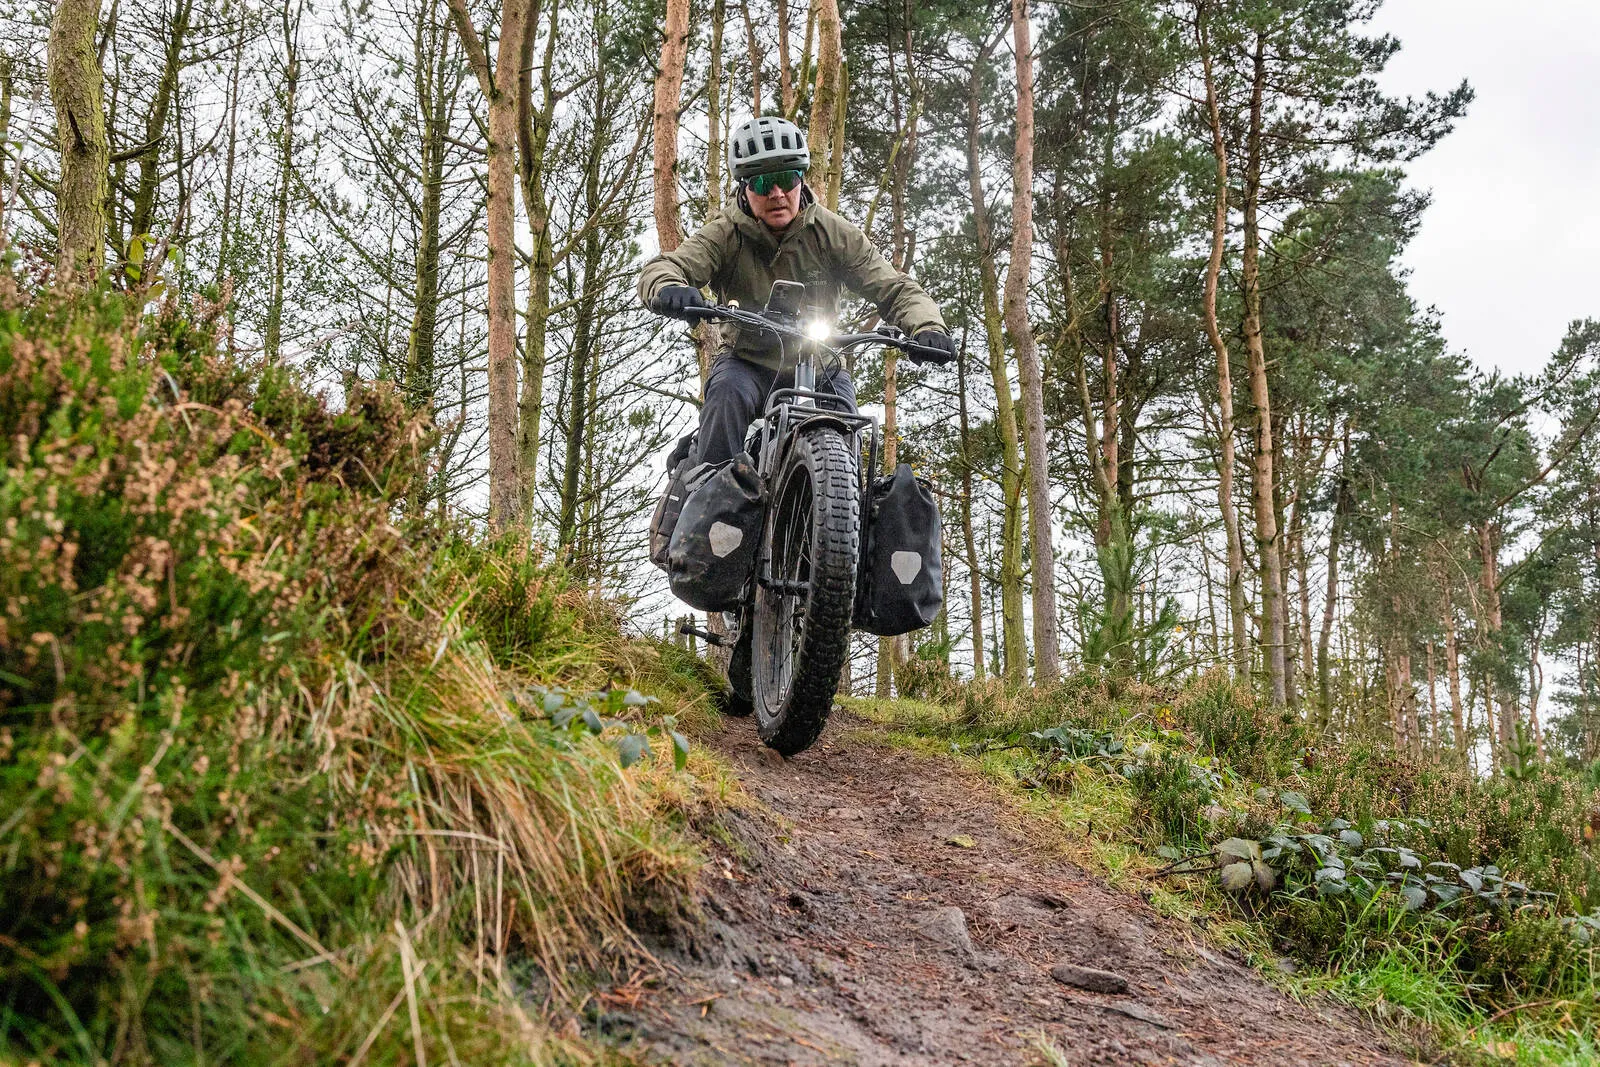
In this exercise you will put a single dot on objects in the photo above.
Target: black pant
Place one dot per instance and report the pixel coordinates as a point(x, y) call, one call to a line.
point(737, 392)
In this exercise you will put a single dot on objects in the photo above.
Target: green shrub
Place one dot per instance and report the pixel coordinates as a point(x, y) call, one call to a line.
point(1171, 791)
point(258, 765)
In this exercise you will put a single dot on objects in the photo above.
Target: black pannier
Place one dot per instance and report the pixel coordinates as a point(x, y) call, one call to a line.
point(901, 583)
point(713, 548)
point(665, 519)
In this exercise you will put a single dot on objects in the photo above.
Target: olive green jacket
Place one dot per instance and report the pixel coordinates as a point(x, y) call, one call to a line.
point(739, 257)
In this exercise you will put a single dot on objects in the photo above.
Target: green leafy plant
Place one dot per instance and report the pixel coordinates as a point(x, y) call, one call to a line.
point(595, 713)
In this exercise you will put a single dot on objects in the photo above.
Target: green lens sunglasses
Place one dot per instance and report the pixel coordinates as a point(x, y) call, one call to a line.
point(787, 180)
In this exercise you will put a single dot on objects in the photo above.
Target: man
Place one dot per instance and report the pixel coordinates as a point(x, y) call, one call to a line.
point(775, 230)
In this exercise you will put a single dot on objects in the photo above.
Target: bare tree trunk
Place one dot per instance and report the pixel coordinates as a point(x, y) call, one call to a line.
point(669, 89)
point(1341, 507)
point(225, 225)
point(1491, 623)
point(580, 401)
point(755, 56)
point(1014, 639)
point(273, 331)
point(76, 88)
point(434, 114)
point(1268, 548)
point(1452, 660)
point(835, 180)
point(969, 540)
point(499, 88)
point(714, 104)
point(785, 74)
point(149, 159)
point(825, 98)
point(1227, 463)
point(533, 135)
point(1046, 642)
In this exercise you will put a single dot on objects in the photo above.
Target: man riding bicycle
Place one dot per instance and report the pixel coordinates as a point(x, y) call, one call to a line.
point(775, 230)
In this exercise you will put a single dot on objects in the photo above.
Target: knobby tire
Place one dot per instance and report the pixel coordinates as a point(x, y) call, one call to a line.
point(814, 532)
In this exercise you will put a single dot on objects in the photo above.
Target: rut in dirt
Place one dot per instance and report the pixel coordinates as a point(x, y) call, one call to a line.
point(887, 908)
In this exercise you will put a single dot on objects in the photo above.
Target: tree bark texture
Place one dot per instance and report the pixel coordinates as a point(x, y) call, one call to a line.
point(76, 90)
point(969, 540)
point(144, 199)
point(1268, 548)
point(273, 331)
point(825, 97)
point(1046, 642)
point(785, 75)
point(499, 88)
point(533, 136)
point(1013, 637)
point(669, 91)
point(1227, 462)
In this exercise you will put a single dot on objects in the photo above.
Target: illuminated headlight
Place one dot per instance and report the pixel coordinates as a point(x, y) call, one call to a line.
point(819, 329)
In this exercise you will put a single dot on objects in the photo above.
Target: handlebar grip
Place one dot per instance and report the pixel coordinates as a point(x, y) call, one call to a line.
point(701, 314)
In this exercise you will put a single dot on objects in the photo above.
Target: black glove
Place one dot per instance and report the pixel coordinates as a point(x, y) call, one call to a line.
point(674, 300)
point(936, 339)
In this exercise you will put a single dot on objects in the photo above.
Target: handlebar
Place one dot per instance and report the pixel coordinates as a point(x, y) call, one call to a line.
point(837, 342)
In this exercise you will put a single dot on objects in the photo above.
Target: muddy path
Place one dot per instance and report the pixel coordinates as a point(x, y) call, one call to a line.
point(885, 908)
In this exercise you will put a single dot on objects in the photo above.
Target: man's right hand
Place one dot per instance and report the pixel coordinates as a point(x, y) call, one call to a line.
point(677, 300)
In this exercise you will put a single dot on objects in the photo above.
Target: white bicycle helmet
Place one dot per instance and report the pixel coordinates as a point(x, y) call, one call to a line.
point(765, 145)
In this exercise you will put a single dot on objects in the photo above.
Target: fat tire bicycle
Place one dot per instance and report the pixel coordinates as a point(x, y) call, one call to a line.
point(793, 625)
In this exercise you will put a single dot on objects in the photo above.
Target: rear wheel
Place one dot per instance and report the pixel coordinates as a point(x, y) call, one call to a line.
point(801, 632)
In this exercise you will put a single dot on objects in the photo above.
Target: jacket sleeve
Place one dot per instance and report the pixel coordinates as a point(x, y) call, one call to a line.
point(898, 297)
point(695, 262)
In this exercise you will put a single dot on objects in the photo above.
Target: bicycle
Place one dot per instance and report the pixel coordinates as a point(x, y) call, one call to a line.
point(793, 627)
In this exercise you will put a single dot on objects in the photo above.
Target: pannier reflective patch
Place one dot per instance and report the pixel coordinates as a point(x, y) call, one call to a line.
point(724, 539)
point(906, 566)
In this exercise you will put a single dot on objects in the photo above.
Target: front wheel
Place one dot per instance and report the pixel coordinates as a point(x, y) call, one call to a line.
point(801, 632)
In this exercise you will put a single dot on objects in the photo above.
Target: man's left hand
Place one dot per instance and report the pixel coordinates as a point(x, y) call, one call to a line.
point(936, 339)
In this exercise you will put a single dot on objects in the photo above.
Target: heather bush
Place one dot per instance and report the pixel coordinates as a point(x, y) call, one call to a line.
point(262, 767)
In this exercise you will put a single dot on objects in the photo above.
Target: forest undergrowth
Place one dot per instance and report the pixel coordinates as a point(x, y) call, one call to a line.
point(1461, 912)
point(284, 777)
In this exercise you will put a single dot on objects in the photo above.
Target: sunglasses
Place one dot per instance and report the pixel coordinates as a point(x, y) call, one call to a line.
point(787, 180)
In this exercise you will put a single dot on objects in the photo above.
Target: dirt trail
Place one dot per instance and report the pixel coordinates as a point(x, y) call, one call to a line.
point(847, 928)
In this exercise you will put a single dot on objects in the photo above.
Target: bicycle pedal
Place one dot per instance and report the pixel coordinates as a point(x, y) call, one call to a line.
point(705, 635)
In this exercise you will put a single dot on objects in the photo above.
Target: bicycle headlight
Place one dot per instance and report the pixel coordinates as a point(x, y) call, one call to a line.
point(819, 329)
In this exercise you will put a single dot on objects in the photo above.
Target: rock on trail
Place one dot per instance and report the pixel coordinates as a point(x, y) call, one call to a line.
point(888, 909)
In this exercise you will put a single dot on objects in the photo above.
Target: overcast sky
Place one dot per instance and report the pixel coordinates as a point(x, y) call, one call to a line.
point(1509, 252)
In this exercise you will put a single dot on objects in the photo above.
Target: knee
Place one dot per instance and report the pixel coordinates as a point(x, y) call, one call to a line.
point(729, 386)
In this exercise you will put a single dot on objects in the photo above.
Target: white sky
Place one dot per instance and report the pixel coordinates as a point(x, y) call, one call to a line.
point(1509, 252)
